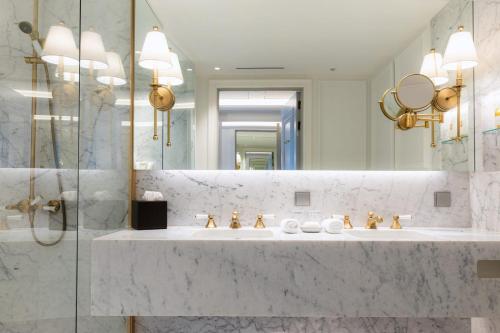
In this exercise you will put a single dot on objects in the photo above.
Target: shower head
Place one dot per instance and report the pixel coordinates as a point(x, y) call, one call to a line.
point(26, 27)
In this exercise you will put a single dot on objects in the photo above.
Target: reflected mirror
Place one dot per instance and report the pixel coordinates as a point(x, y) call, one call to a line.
point(279, 95)
point(415, 91)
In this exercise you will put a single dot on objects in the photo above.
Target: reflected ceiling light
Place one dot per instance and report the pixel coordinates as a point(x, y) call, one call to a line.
point(34, 93)
point(253, 102)
point(59, 47)
point(114, 75)
point(70, 73)
point(432, 68)
point(189, 69)
point(93, 55)
point(156, 55)
point(172, 76)
point(217, 68)
point(250, 123)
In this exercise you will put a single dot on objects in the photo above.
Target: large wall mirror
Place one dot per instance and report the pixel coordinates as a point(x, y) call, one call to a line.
point(305, 85)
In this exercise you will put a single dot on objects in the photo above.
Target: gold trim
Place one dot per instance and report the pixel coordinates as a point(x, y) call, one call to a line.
point(446, 99)
point(132, 175)
point(382, 105)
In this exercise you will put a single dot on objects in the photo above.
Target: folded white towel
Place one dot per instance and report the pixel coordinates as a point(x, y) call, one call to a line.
point(152, 196)
point(311, 226)
point(333, 226)
point(290, 226)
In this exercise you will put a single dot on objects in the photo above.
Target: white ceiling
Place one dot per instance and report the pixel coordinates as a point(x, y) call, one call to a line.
point(306, 37)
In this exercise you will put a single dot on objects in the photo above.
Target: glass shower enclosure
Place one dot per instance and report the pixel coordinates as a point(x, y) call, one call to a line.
point(64, 156)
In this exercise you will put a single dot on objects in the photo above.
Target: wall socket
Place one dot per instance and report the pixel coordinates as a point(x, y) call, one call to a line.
point(442, 199)
point(302, 198)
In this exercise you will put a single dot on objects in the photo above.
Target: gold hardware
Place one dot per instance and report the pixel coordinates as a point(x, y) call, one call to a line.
point(22, 206)
point(211, 222)
point(259, 224)
point(395, 222)
point(235, 220)
point(56, 204)
point(372, 221)
point(347, 222)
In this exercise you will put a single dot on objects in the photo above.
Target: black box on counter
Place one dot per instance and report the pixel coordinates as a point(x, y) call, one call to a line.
point(149, 215)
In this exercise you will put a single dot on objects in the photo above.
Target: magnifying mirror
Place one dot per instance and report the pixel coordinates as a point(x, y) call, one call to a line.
point(389, 106)
point(415, 92)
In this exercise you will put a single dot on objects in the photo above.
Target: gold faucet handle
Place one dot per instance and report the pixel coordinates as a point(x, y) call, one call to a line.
point(259, 223)
point(377, 218)
point(347, 222)
point(210, 220)
point(396, 220)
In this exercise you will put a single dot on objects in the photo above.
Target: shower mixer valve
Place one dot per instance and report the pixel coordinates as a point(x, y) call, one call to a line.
point(25, 206)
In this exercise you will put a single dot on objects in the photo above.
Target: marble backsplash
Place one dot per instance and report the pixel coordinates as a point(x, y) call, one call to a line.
point(332, 192)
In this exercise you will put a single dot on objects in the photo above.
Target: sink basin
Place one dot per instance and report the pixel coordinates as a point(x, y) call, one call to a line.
point(220, 233)
point(387, 234)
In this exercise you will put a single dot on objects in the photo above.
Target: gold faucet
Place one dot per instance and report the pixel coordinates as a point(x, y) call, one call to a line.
point(235, 220)
point(372, 221)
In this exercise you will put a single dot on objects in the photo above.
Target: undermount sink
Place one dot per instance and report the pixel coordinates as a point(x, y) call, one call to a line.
point(387, 234)
point(220, 233)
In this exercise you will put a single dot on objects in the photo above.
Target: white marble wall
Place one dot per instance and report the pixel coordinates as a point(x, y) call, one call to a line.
point(332, 192)
point(300, 325)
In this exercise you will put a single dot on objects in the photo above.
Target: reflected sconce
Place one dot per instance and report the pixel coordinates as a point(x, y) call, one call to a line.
point(93, 55)
point(155, 55)
point(60, 48)
point(460, 54)
point(171, 77)
point(70, 74)
point(432, 68)
point(114, 75)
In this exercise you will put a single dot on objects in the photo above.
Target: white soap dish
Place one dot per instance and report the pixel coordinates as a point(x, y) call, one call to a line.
point(311, 226)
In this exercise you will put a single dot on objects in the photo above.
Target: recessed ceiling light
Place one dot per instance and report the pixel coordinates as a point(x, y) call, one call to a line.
point(217, 68)
point(332, 69)
point(189, 69)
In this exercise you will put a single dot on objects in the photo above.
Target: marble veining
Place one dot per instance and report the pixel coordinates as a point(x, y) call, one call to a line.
point(300, 325)
point(332, 192)
point(305, 277)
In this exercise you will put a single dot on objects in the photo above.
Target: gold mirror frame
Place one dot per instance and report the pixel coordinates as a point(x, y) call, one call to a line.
point(401, 104)
point(382, 106)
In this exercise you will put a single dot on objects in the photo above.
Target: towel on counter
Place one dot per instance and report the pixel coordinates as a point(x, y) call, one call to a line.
point(290, 226)
point(333, 226)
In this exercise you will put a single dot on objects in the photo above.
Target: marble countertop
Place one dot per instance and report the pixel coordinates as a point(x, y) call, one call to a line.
point(364, 273)
point(404, 235)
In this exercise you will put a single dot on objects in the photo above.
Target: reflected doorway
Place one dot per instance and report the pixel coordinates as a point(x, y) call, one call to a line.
point(259, 129)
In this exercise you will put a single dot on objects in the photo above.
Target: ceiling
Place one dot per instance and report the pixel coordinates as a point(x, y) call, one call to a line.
point(306, 37)
point(259, 140)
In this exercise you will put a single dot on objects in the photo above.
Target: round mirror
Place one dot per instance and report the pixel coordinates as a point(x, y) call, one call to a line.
point(415, 92)
point(389, 106)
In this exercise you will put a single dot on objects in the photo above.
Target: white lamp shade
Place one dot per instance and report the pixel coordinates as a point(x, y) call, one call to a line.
point(114, 74)
point(432, 68)
point(460, 51)
point(172, 76)
point(92, 54)
point(60, 46)
point(70, 73)
point(155, 53)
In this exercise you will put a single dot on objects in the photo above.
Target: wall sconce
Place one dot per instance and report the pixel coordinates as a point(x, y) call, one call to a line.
point(460, 54)
point(112, 76)
point(171, 77)
point(417, 92)
point(155, 55)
